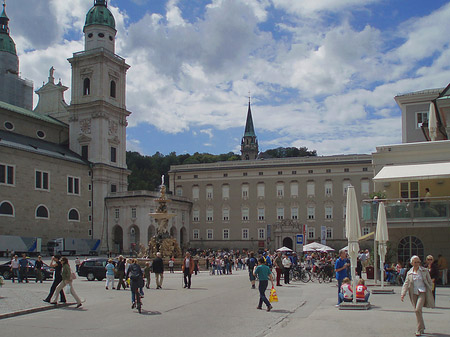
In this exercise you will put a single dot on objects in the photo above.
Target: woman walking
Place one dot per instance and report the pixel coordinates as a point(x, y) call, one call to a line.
point(419, 285)
point(110, 269)
point(264, 274)
point(434, 273)
point(66, 280)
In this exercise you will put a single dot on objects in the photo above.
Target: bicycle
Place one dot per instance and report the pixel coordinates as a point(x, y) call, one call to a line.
point(138, 301)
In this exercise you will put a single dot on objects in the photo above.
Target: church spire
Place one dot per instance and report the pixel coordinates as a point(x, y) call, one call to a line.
point(6, 42)
point(249, 144)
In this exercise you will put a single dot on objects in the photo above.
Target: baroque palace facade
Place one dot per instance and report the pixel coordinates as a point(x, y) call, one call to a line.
point(264, 203)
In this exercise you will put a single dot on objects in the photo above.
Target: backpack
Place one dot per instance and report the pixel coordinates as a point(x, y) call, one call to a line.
point(135, 273)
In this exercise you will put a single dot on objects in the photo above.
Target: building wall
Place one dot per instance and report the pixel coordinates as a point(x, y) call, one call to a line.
point(26, 198)
point(337, 169)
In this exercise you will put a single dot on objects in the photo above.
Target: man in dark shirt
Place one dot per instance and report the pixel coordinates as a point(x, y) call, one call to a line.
point(158, 269)
point(38, 269)
point(121, 272)
point(23, 268)
point(251, 263)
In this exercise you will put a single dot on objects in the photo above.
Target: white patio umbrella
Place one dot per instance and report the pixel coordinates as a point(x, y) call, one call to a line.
point(381, 235)
point(314, 247)
point(284, 249)
point(432, 122)
point(353, 232)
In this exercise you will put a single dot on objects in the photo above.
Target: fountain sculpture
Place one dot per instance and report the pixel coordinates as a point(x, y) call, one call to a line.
point(162, 241)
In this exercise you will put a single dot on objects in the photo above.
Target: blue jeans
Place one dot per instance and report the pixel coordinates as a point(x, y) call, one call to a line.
point(339, 291)
point(15, 273)
point(262, 296)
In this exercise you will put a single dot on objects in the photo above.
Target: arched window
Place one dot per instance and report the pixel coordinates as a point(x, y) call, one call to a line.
point(86, 86)
point(6, 208)
point(112, 89)
point(74, 215)
point(409, 246)
point(42, 212)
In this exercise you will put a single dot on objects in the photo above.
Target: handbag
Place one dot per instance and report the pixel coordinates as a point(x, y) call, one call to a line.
point(273, 295)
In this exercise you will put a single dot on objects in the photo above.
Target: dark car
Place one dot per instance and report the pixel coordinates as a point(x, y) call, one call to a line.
point(93, 268)
point(47, 272)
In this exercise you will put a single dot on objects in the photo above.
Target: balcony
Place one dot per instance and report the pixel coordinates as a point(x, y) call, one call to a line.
point(400, 213)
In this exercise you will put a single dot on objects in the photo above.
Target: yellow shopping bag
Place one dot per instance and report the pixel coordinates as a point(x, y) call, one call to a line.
point(273, 295)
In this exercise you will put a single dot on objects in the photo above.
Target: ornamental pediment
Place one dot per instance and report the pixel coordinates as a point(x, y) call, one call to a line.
point(84, 139)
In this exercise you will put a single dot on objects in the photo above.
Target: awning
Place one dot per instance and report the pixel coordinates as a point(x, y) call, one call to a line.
point(413, 172)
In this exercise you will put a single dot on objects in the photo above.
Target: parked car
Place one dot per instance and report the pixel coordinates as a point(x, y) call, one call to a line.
point(47, 272)
point(93, 268)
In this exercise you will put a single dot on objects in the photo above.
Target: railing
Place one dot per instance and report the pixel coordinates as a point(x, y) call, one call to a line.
point(409, 210)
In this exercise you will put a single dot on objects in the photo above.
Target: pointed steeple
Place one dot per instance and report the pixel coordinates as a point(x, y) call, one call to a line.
point(249, 129)
point(249, 144)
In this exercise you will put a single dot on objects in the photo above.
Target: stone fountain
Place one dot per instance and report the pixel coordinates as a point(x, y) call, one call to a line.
point(162, 241)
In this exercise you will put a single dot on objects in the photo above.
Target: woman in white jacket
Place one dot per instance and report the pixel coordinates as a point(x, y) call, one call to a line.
point(419, 285)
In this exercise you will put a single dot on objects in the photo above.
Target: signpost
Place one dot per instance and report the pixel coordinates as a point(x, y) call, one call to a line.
point(299, 243)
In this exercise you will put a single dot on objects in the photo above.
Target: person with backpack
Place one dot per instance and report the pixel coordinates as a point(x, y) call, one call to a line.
point(251, 263)
point(136, 281)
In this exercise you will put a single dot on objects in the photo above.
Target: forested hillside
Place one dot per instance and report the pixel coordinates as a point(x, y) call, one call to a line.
point(146, 171)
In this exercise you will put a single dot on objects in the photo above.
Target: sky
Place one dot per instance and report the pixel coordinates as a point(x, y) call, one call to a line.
point(320, 73)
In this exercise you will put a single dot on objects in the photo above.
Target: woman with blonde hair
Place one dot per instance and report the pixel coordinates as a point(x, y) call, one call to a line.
point(419, 285)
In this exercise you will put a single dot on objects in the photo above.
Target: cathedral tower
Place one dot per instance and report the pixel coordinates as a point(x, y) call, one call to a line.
point(249, 144)
point(97, 113)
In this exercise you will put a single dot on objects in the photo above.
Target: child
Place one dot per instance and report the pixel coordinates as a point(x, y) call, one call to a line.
point(346, 293)
point(362, 294)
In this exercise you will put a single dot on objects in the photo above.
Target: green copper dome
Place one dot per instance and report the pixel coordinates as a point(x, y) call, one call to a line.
point(100, 15)
point(6, 42)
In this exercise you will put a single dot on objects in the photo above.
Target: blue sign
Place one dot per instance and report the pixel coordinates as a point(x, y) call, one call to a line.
point(299, 239)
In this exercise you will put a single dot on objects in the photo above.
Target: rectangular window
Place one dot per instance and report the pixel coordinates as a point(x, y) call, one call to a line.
point(195, 176)
point(328, 212)
point(116, 213)
point(85, 152)
point(311, 233)
point(113, 188)
point(311, 213)
point(244, 174)
point(90, 218)
point(6, 174)
point(244, 233)
point(179, 191)
point(113, 154)
point(365, 169)
point(89, 232)
point(346, 170)
point(195, 234)
point(409, 189)
point(195, 192)
point(261, 214)
point(294, 190)
point(310, 188)
point(225, 191)
point(421, 117)
point(328, 188)
point(280, 190)
point(245, 214)
point(226, 234)
point(365, 230)
point(294, 213)
point(310, 171)
point(244, 190)
point(225, 175)
point(195, 215)
point(328, 170)
point(260, 173)
point(225, 214)
point(329, 233)
point(260, 189)
point(209, 215)
point(294, 172)
point(280, 213)
point(42, 180)
point(73, 185)
point(209, 192)
point(365, 186)
point(261, 233)
point(280, 173)
point(133, 213)
point(209, 234)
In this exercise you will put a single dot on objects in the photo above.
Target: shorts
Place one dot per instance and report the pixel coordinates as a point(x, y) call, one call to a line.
point(251, 276)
